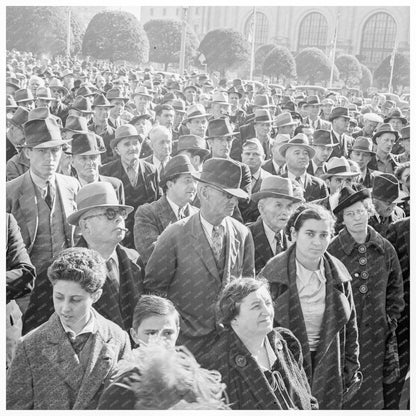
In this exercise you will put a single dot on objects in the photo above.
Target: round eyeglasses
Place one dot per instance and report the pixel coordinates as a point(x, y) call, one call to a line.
point(110, 213)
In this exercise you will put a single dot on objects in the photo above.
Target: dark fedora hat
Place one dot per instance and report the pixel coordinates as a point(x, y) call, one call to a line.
point(339, 112)
point(125, 131)
point(386, 187)
point(86, 144)
point(10, 103)
point(395, 114)
point(95, 195)
point(190, 87)
point(275, 187)
point(224, 174)
point(85, 91)
point(299, 140)
point(116, 94)
point(56, 84)
point(20, 116)
point(193, 142)
point(76, 124)
point(100, 100)
point(234, 90)
point(284, 119)
point(82, 104)
point(323, 138)
point(219, 127)
point(262, 100)
point(385, 128)
point(405, 133)
point(178, 165)
point(363, 144)
point(339, 166)
point(13, 82)
point(289, 105)
point(42, 133)
point(312, 100)
point(170, 96)
point(23, 95)
point(135, 119)
point(179, 105)
point(349, 196)
point(44, 93)
point(261, 115)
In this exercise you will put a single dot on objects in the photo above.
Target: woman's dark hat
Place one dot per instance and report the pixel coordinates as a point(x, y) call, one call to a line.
point(348, 196)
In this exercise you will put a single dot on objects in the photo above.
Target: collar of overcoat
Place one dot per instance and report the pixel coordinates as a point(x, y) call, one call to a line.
point(348, 243)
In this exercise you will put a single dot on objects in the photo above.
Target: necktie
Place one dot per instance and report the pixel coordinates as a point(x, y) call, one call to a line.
point(79, 341)
point(112, 273)
point(50, 194)
point(299, 181)
point(253, 182)
point(278, 239)
point(131, 173)
point(162, 169)
point(217, 241)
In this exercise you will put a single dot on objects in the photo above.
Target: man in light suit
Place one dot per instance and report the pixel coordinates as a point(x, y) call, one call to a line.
point(40, 200)
point(196, 257)
point(179, 189)
point(276, 203)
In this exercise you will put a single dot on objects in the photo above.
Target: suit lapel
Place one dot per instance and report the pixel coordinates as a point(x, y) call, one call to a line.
point(165, 212)
point(232, 246)
point(68, 206)
point(265, 251)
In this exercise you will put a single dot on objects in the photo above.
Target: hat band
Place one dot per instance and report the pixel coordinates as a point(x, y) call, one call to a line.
point(196, 114)
point(338, 169)
point(212, 178)
point(93, 201)
point(262, 119)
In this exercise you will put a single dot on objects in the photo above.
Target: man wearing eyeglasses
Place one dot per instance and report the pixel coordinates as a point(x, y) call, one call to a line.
point(101, 220)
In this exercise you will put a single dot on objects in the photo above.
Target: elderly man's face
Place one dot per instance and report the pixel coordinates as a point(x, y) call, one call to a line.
point(128, 149)
point(161, 144)
point(275, 212)
point(217, 203)
point(86, 166)
point(221, 146)
point(383, 208)
point(369, 126)
point(385, 142)
point(262, 130)
point(253, 156)
point(297, 158)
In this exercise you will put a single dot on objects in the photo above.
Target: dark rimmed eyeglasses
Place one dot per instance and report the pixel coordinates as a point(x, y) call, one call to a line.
point(110, 213)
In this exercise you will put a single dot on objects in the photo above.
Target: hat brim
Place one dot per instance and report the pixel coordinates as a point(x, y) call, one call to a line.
point(221, 135)
point(352, 199)
point(237, 192)
point(333, 118)
point(286, 146)
point(396, 133)
point(73, 219)
point(206, 115)
point(403, 120)
point(89, 153)
point(25, 100)
point(63, 89)
point(221, 102)
point(143, 95)
point(363, 150)
point(45, 98)
point(202, 152)
point(45, 145)
point(339, 174)
point(270, 194)
point(114, 142)
point(115, 98)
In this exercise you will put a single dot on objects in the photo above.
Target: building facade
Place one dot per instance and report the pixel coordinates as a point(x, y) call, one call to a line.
point(368, 32)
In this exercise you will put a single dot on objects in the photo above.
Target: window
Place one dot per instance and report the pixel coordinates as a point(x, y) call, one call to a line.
point(378, 38)
point(313, 32)
point(262, 28)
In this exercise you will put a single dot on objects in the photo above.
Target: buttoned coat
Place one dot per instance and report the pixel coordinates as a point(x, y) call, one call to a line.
point(314, 187)
point(383, 297)
point(150, 220)
point(263, 252)
point(182, 267)
point(268, 166)
point(146, 189)
point(343, 146)
point(336, 360)
point(247, 386)
point(46, 372)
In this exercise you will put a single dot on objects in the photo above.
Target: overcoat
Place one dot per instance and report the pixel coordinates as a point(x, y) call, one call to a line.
point(46, 373)
point(247, 385)
point(378, 291)
point(183, 268)
point(336, 361)
point(17, 165)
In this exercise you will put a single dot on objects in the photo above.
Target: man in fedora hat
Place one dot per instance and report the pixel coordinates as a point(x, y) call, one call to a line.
point(19, 163)
point(142, 100)
point(253, 157)
point(190, 92)
point(396, 119)
point(86, 150)
point(323, 146)
point(276, 203)
point(196, 120)
point(237, 114)
point(277, 164)
point(195, 148)
point(24, 98)
point(118, 100)
point(297, 153)
point(385, 137)
point(385, 196)
point(313, 107)
point(196, 257)
point(164, 116)
point(44, 97)
point(81, 107)
point(40, 200)
point(337, 175)
point(405, 142)
point(101, 220)
point(362, 153)
point(220, 105)
point(179, 190)
point(285, 124)
point(339, 119)
point(263, 127)
point(326, 108)
point(59, 92)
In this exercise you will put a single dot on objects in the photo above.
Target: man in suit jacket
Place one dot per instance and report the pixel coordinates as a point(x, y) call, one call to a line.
point(179, 190)
point(118, 102)
point(65, 363)
point(297, 153)
point(277, 164)
point(140, 180)
point(100, 218)
point(276, 204)
point(313, 108)
point(253, 157)
point(323, 146)
point(340, 120)
point(197, 256)
point(40, 200)
point(86, 149)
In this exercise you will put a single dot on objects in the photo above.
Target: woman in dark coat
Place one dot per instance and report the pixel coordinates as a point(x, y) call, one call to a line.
point(313, 298)
point(377, 288)
point(261, 366)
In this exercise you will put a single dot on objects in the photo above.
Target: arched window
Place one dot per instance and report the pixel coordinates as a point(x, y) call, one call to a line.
point(377, 39)
point(313, 32)
point(262, 28)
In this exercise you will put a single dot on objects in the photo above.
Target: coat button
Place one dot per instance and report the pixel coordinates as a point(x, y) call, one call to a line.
point(240, 360)
point(356, 274)
point(363, 289)
point(364, 275)
point(362, 249)
point(362, 261)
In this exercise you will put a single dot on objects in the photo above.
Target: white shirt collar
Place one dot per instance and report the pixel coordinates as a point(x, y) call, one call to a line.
point(270, 234)
point(40, 182)
point(277, 168)
point(305, 275)
point(89, 326)
point(175, 208)
point(290, 175)
point(207, 226)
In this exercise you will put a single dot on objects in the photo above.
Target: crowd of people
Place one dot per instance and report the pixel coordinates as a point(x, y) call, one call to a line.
point(197, 242)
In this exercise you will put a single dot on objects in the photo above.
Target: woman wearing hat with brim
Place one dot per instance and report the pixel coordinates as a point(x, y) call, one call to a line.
point(378, 293)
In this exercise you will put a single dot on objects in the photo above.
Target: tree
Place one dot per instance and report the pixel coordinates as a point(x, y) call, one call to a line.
point(401, 72)
point(165, 41)
point(260, 56)
point(312, 65)
point(116, 35)
point(279, 62)
point(366, 78)
point(349, 69)
point(224, 49)
point(41, 30)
